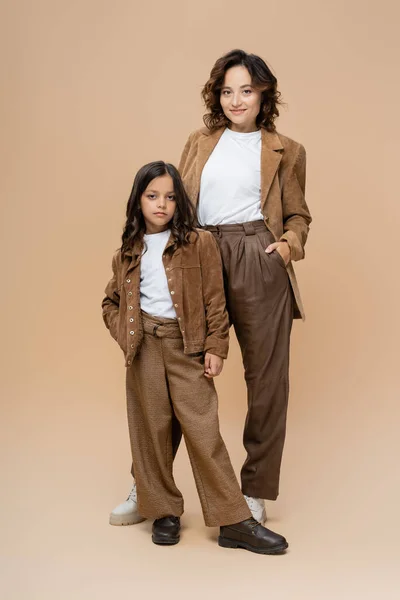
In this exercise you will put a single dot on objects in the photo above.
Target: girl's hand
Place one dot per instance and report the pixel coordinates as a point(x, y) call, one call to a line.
point(282, 248)
point(212, 365)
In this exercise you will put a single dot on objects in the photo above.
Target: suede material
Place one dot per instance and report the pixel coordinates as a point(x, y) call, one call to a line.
point(194, 274)
point(283, 178)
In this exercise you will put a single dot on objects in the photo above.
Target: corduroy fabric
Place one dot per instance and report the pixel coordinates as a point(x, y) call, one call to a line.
point(283, 179)
point(194, 275)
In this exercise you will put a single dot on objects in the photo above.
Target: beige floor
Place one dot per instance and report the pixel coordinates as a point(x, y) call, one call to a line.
point(69, 466)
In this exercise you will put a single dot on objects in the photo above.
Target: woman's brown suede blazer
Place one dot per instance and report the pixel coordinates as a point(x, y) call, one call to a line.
point(283, 174)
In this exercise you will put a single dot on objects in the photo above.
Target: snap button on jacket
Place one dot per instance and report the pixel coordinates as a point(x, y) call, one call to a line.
point(194, 274)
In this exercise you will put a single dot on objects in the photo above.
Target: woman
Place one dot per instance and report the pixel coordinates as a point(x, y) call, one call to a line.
point(247, 182)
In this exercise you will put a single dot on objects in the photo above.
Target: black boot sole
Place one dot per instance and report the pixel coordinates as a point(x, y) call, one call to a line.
point(164, 541)
point(228, 543)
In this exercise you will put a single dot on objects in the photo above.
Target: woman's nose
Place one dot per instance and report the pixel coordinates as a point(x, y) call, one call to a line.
point(236, 99)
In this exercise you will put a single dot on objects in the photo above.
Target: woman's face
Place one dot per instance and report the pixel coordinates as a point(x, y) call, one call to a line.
point(239, 100)
point(158, 204)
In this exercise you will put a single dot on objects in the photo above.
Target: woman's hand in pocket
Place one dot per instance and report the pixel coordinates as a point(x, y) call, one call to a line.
point(282, 248)
point(212, 365)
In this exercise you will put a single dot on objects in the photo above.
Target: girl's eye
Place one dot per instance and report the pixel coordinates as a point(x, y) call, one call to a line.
point(172, 197)
point(151, 196)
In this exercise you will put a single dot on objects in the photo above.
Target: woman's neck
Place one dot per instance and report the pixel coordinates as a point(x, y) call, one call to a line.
point(251, 128)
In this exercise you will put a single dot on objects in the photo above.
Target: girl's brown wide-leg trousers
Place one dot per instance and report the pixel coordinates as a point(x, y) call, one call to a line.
point(162, 382)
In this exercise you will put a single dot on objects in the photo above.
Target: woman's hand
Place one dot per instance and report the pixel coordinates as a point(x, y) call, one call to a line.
point(212, 365)
point(282, 248)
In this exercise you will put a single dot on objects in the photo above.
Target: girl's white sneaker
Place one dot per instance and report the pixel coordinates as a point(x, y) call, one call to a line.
point(126, 513)
point(257, 508)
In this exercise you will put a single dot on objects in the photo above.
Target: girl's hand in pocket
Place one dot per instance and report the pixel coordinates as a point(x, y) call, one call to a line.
point(212, 365)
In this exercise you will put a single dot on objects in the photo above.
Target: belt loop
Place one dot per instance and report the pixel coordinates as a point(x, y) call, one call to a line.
point(249, 228)
point(155, 329)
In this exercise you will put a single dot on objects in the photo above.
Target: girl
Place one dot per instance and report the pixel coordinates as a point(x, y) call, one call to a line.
point(165, 307)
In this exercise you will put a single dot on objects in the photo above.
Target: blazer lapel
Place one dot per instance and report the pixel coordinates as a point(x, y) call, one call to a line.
point(271, 157)
point(206, 145)
point(270, 160)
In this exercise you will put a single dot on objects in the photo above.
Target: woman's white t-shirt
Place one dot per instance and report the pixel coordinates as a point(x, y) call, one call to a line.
point(230, 185)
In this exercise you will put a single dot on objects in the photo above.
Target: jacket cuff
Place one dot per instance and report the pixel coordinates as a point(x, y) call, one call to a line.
point(296, 249)
point(217, 347)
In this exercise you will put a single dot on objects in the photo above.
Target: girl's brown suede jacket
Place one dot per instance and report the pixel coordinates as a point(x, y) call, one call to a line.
point(194, 274)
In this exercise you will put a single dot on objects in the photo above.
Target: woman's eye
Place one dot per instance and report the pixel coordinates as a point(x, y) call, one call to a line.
point(247, 92)
point(225, 92)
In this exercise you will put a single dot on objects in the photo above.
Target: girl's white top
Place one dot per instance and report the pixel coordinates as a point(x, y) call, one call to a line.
point(155, 297)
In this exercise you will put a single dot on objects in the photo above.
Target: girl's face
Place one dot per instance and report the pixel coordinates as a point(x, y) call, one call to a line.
point(239, 100)
point(158, 204)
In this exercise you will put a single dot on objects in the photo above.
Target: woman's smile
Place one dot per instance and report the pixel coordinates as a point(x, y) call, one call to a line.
point(238, 111)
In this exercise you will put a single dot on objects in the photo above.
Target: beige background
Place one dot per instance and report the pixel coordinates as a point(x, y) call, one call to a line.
point(91, 91)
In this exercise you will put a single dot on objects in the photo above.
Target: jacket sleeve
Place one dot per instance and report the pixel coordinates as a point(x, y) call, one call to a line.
point(217, 321)
point(296, 216)
point(110, 304)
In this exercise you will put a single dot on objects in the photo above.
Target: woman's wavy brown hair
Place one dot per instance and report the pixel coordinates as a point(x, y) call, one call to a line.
point(262, 79)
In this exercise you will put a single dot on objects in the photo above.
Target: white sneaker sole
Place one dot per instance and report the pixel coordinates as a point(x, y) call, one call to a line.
point(128, 519)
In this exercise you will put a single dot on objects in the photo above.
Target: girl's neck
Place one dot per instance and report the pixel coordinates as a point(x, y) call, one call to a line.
point(153, 229)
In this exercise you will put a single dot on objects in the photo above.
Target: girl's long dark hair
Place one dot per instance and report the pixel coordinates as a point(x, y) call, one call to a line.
point(184, 220)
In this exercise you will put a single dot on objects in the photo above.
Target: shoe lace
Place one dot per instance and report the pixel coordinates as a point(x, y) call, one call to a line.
point(253, 523)
point(133, 494)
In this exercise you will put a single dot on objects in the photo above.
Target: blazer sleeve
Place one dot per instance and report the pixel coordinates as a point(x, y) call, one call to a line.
point(296, 216)
point(217, 321)
point(110, 303)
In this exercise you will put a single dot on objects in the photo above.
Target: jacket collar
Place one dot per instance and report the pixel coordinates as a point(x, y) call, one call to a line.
point(135, 252)
point(269, 139)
